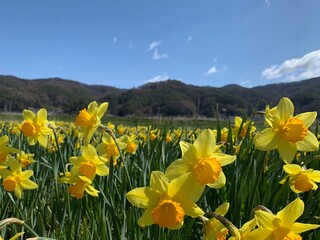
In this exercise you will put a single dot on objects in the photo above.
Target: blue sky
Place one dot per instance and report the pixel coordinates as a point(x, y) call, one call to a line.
point(127, 43)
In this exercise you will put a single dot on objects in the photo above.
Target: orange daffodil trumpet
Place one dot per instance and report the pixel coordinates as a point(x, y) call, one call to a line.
point(301, 179)
point(282, 225)
point(286, 132)
point(203, 160)
point(35, 127)
point(167, 203)
point(89, 119)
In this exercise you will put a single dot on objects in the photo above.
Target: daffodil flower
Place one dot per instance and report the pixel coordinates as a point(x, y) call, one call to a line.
point(245, 126)
point(245, 230)
point(17, 180)
point(82, 184)
point(167, 203)
point(213, 228)
point(89, 119)
point(203, 160)
point(287, 133)
point(301, 179)
point(131, 143)
point(35, 127)
point(108, 148)
point(5, 150)
point(89, 163)
point(282, 225)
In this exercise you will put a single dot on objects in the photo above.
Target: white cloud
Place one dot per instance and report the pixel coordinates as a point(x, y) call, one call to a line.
point(212, 70)
point(153, 45)
point(267, 2)
point(295, 69)
point(189, 39)
point(158, 78)
point(157, 56)
point(115, 39)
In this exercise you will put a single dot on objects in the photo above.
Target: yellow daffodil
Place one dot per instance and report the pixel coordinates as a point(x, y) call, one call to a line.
point(5, 150)
point(167, 203)
point(287, 133)
point(131, 143)
point(89, 164)
point(281, 226)
point(108, 147)
point(203, 160)
point(35, 127)
point(301, 179)
point(245, 230)
point(16, 180)
point(153, 134)
point(121, 129)
point(89, 119)
point(25, 159)
point(213, 228)
point(240, 127)
point(169, 136)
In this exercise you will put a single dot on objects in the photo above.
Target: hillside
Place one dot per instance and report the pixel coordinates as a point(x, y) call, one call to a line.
point(169, 98)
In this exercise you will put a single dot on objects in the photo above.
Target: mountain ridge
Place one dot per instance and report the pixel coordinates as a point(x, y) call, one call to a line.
point(167, 98)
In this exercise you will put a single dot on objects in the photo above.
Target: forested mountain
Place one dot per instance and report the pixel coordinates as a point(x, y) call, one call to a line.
point(168, 98)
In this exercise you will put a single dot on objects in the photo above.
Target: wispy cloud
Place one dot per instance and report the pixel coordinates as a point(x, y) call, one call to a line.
point(158, 78)
point(115, 39)
point(295, 69)
point(153, 45)
point(189, 39)
point(157, 56)
point(212, 70)
point(267, 2)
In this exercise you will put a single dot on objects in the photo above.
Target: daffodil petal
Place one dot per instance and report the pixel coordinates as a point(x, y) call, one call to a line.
point(285, 109)
point(264, 220)
point(309, 144)
point(102, 109)
point(191, 155)
point(308, 118)
point(219, 183)
point(287, 150)
point(261, 234)
point(28, 115)
point(205, 143)
point(314, 175)
point(185, 186)
point(184, 146)
point(102, 170)
point(303, 227)
point(190, 208)
point(92, 107)
point(159, 182)
point(176, 169)
point(28, 184)
point(26, 174)
point(142, 197)
point(92, 191)
point(292, 169)
point(291, 212)
point(222, 209)
point(266, 140)
point(42, 116)
point(146, 218)
point(224, 159)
